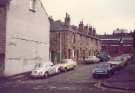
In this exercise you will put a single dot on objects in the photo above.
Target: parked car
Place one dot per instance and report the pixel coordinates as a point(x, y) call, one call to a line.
point(103, 56)
point(126, 57)
point(91, 59)
point(67, 64)
point(45, 69)
point(103, 69)
point(117, 63)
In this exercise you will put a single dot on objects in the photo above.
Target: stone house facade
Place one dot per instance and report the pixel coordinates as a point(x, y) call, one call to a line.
point(69, 41)
point(24, 35)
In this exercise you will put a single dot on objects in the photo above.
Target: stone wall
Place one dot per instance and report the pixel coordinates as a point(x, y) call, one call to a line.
point(73, 45)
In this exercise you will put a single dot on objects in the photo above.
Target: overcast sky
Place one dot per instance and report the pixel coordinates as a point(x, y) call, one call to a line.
point(104, 15)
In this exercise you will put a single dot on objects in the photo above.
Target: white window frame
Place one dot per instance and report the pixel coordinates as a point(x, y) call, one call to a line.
point(32, 5)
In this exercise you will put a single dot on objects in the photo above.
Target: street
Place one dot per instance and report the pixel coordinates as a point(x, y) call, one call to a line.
point(78, 80)
point(54, 46)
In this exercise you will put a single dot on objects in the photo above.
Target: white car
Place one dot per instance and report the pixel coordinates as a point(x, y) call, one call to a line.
point(117, 63)
point(91, 59)
point(126, 56)
point(45, 69)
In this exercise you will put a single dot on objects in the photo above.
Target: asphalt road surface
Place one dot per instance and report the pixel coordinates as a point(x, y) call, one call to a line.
point(79, 80)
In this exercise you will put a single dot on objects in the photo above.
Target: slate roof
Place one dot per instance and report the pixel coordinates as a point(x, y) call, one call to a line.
point(3, 2)
point(58, 25)
point(115, 39)
point(128, 35)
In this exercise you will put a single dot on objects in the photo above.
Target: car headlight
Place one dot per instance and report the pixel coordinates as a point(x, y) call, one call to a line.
point(40, 73)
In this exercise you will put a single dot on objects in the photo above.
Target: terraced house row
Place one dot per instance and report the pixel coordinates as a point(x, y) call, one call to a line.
point(69, 41)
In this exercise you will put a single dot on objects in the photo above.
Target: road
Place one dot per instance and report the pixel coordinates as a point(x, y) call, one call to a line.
point(79, 80)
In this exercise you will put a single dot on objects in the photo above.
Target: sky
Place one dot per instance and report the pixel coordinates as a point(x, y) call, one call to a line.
point(104, 15)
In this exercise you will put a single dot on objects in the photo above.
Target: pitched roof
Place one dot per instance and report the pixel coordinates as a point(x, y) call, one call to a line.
point(3, 2)
point(111, 36)
point(116, 39)
point(58, 26)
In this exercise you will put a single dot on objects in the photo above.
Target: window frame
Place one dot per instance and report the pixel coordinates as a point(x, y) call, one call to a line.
point(32, 6)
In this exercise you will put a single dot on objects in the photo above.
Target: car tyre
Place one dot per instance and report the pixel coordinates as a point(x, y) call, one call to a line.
point(65, 69)
point(95, 76)
point(73, 67)
point(112, 72)
point(109, 75)
point(59, 71)
point(46, 75)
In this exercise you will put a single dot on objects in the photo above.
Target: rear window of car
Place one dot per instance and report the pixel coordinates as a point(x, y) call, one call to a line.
point(40, 65)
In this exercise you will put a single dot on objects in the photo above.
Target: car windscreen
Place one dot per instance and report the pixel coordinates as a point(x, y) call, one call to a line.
point(91, 57)
point(66, 61)
point(116, 59)
point(38, 66)
point(102, 66)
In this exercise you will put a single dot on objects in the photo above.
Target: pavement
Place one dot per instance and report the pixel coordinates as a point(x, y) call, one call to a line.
point(14, 77)
point(123, 79)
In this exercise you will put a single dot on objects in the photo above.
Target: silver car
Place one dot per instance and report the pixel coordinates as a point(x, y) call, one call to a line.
point(91, 59)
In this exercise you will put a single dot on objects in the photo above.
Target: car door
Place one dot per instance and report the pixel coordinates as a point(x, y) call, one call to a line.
point(52, 69)
point(68, 65)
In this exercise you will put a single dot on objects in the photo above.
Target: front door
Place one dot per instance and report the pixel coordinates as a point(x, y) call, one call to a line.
point(1, 64)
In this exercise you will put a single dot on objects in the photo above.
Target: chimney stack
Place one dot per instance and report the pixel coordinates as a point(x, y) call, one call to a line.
point(81, 26)
point(67, 20)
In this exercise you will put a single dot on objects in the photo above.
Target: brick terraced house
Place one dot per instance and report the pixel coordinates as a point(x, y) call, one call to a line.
point(69, 41)
point(120, 42)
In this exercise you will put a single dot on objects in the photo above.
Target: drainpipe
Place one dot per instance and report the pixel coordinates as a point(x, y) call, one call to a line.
point(60, 46)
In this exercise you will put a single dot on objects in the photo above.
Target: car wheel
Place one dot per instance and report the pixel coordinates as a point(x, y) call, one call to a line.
point(73, 67)
point(109, 75)
point(112, 72)
point(65, 69)
point(95, 76)
point(46, 75)
point(59, 70)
